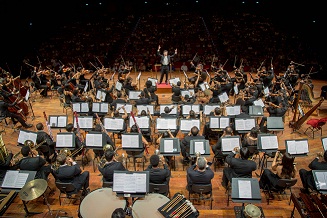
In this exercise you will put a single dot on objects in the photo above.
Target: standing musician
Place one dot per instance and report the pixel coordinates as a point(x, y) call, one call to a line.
point(40, 81)
point(110, 166)
point(31, 161)
point(6, 112)
point(47, 148)
point(165, 60)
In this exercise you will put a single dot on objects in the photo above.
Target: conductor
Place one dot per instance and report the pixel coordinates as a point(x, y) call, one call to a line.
point(165, 61)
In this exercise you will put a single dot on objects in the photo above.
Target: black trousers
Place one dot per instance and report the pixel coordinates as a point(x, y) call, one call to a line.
point(164, 72)
point(14, 116)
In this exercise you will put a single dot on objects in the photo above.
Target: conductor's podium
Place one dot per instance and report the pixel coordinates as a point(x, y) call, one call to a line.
point(164, 88)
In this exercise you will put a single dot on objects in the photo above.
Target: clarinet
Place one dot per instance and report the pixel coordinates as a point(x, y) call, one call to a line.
point(139, 130)
point(48, 126)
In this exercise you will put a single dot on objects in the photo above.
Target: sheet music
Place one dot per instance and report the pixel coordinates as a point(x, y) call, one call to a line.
point(259, 102)
point(23, 136)
point(189, 92)
point(143, 122)
point(14, 179)
point(223, 122)
point(244, 189)
point(77, 107)
point(62, 121)
point(233, 110)
point(174, 81)
point(321, 180)
point(214, 122)
point(165, 124)
point(209, 108)
point(101, 95)
point(168, 146)
point(96, 107)
point(130, 141)
point(27, 96)
point(145, 107)
point(128, 108)
point(84, 122)
point(269, 142)
point(266, 91)
point(199, 147)
point(86, 86)
point(114, 124)
point(53, 121)
point(153, 80)
point(297, 147)
point(93, 140)
point(119, 86)
point(104, 107)
point(236, 89)
point(324, 143)
point(186, 125)
point(223, 97)
point(291, 147)
point(84, 107)
point(228, 144)
point(64, 141)
point(244, 124)
point(204, 86)
point(132, 95)
point(129, 182)
point(173, 111)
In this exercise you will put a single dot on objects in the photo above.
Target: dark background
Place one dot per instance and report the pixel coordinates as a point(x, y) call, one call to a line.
point(25, 24)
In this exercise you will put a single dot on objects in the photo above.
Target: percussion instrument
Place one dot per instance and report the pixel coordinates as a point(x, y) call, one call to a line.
point(252, 211)
point(33, 189)
point(100, 203)
point(151, 202)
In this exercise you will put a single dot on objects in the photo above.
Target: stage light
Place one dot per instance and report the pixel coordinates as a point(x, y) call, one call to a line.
point(145, 2)
point(197, 1)
point(86, 4)
point(100, 3)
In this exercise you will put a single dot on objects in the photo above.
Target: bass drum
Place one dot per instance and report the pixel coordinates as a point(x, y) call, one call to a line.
point(100, 203)
point(151, 202)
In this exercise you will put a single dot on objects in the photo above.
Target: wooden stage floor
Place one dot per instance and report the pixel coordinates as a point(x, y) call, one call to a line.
point(276, 208)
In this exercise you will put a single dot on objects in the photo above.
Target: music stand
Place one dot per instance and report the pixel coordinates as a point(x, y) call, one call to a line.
point(324, 143)
point(131, 183)
point(65, 140)
point(26, 135)
point(85, 122)
point(199, 145)
point(114, 125)
point(245, 190)
point(187, 108)
point(187, 124)
point(95, 140)
point(244, 125)
point(172, 112)
point(218, 123)
point(134, 95)
point(189, 92)
point(297, 147)
point(255, 111)
point(58, 121)
point(149, 107)
point(81, 107)
point(14, 180)
point(128, 107)
point(208, 108)
point(320, 178)
point(163, 124)
point(170, 147)
point(100, 108)
point(267, 143)
point(232, 111)
point(275, 124)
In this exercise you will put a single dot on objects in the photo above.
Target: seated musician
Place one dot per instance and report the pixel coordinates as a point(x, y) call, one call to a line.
point(165, 134)
point(108, 140)
point(119, 99)
point(176, 90)
point(239, 166)
point(158, 175)
point(78, 142)
point(200, 75)
point(150, 92)
point(111, 164)
point(31, 161)
point(5, 164)
point(69, 171)
point(48, 147)
point(199, 173)
point(251, 140)
point(216, 91)
point(143, 100)
point(306, 176)
point(40, 81)
point(246, 99)
point(185, 142)
point(109, 92)
point(206, 130)
point(5, 112)
point(202, 97)
point(283, 170)
point(76, 96)
point(188, 100)
point(216, 149)
point(267, 76)
point(129, 85)
point(274, 111)
point(118, 213)
point(116, 114)
point(123, 73)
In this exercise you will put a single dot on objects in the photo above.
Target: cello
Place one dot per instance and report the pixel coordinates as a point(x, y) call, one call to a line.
point(12, 98)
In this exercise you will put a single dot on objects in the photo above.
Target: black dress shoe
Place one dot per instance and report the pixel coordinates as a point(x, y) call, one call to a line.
point(28, 126)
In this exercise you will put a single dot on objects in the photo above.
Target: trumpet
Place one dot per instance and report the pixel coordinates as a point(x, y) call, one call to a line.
point(68, 153)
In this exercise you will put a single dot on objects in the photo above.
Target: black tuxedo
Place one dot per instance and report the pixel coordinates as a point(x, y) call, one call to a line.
point(142, 101)
point(238, 168)
point(198, 177)
point(34, 164)
point(108, 170)
point(185, 144)
point(307, 176)
point(159, 175)
point(72, 174)
point(164, 66)
point(48, 147)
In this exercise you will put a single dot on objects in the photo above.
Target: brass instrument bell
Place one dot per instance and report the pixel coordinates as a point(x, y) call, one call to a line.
point(29, 143)
point(66, 151)
point(107, 147)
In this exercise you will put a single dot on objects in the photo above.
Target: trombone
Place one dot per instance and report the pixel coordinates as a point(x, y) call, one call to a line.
point(32, 146)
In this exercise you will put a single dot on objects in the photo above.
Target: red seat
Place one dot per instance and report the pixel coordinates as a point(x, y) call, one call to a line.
point(316, 125)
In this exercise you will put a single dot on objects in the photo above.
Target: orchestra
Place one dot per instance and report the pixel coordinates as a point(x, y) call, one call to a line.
point(241, 87)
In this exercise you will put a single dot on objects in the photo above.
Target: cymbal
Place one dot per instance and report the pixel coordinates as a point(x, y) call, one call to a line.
point(252, 211)
point(33, 189)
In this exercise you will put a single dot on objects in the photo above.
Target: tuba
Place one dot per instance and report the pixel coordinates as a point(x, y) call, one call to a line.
point(103, 158)
point(3, 151)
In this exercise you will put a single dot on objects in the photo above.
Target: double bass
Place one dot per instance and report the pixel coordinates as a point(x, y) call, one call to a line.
point(20, 107)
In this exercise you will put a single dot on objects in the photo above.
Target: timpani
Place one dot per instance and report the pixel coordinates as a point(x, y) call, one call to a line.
point(148, 206)
point(100, 203)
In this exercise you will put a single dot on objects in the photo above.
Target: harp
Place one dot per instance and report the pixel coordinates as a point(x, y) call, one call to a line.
point(310, 101)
